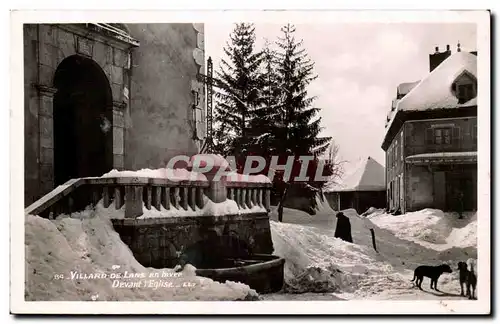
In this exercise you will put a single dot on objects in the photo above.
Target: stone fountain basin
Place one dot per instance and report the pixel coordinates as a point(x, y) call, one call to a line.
point(262, 272)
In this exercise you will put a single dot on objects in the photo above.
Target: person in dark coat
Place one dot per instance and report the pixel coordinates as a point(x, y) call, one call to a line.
point(343, 228)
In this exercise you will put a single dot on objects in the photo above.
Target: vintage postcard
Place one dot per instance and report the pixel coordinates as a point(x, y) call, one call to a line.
point(250, 162)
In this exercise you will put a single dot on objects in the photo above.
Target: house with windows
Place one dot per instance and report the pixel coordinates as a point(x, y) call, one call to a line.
point(430, 141)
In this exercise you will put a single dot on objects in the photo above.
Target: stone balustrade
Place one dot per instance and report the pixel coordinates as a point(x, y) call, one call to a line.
point(132, 194)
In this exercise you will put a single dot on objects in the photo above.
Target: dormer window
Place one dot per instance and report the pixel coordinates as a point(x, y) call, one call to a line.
point(464, 87)
point(465, 92)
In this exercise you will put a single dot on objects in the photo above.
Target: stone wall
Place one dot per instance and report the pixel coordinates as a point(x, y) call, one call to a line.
point(159, 242)
point(161, 118)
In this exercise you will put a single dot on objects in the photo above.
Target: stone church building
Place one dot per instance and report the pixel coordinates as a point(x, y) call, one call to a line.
point(99, 97)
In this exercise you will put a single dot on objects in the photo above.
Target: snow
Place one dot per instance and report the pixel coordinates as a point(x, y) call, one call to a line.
point(441, 155)
point(334, 269)
point(162, 173)
point(322, 205)
point(216, 160)
point(86, 243)
point(406, 87)
point(434, 91)
point(432, 228)
point(367, 175)
point(238, 177)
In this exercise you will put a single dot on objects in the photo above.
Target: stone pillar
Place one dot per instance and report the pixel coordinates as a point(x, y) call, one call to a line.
point(46, 138)
point(217, 191)
point(118, 134)
point(133, 201)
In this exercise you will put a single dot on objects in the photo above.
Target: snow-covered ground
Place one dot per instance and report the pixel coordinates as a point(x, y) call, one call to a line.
point(87, 244)
point(334, 269)
point(318, 266)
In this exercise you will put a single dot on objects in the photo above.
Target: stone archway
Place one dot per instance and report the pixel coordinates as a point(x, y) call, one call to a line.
point(83, 117)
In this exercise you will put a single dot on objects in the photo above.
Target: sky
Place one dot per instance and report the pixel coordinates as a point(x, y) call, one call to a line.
point(359, 67)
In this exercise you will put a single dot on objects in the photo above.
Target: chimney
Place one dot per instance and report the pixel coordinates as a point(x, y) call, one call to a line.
point(438, 57)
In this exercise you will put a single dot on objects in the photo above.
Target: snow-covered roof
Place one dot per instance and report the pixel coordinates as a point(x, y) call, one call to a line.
point(368, 175)
point(405, 88)
point(434, 91)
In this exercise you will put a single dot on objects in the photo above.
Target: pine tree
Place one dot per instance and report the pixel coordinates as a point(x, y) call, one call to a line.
point(237, 95)
point(295, 70)
point(296, 128)
point(262, 127)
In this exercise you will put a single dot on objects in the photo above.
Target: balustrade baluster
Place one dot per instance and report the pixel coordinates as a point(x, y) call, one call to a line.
point(148, 197)
point(166, 198)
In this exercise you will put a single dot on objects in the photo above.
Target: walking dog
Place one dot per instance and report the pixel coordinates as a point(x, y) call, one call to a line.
point(468, 277)
point(432, 272)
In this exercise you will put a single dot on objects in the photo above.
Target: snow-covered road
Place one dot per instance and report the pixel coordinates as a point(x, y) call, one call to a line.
point(328, 268)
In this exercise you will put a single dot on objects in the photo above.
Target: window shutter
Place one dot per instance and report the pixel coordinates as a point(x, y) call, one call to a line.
point(456, 135)
point(429, 136)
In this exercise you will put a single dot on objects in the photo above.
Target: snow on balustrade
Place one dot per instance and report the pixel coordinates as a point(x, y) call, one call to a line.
point(162, 173)
point(166, 192)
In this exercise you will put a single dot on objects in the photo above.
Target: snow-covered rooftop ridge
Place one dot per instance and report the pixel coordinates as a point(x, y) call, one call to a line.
point(434, 91)
point(367, 175)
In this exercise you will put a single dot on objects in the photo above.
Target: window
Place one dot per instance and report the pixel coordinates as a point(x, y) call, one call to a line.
point(395, 152)
point(438, 138)
point(465, 92)
point(401, 141)
point(464, 87)
point(474, 134)
point(442, 136)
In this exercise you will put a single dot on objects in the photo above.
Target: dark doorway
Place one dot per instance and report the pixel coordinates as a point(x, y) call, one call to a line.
point(83, 132)
point(439, 180)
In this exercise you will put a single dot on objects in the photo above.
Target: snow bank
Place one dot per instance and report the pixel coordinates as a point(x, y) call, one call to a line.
point(86, 244)
point(162, 173)
point(465, 236)
point(318, 262)
point(431, 226)
point(425, 225)
point(322, 205)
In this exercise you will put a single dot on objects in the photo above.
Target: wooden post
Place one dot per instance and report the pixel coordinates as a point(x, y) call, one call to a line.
point(373, 239)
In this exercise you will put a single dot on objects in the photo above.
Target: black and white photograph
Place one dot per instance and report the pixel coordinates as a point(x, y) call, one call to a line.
point(331, 159)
